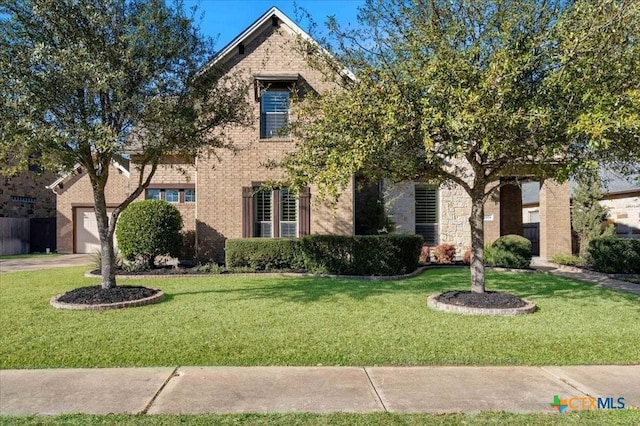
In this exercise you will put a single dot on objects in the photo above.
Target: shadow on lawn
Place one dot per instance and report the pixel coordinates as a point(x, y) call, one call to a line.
point(311, 289)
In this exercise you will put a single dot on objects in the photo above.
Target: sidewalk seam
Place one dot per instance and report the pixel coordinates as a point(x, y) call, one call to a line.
point(173, 374)
point(375, 390)
point(566, 382)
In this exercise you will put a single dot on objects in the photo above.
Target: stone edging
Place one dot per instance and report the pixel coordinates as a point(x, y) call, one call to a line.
point(435, 304)
point(156, 298)
point(415, 273)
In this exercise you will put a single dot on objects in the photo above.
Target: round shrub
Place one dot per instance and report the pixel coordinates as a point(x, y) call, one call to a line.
point(149, 228)
point(512, 251)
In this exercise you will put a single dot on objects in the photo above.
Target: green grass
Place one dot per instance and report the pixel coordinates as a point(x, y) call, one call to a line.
point(621, 417)
point(27, 256)
point(260, 320)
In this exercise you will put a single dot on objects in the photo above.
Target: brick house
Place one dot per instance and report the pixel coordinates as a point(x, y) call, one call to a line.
point(223, 199)
point(27, 212)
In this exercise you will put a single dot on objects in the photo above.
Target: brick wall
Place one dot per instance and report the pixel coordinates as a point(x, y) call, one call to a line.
point(76, 192)
point(25, 196)
point(220, 183)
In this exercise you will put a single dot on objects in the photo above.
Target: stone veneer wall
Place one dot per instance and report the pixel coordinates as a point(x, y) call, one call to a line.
point(36, 201)
point(454, 209)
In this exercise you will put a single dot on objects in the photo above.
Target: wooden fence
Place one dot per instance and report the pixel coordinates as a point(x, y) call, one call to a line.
point(14, 235)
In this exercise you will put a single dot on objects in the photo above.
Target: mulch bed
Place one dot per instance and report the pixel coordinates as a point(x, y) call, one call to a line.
point(96, 295)
point(489, 299)
point(170, 270)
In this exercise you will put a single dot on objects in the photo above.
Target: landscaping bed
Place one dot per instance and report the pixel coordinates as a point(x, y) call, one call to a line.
point(489, 299)
point(96, 295)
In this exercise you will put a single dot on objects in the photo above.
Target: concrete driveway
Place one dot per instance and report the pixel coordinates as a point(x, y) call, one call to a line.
point(44, 262)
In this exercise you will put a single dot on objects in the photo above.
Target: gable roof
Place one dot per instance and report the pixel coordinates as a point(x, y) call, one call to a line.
point(255, 29)
point(119, 162)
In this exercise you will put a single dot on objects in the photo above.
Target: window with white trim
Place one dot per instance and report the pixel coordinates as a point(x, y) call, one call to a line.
point(172, 195)
point(274, 113)
point(153, 194)
point(288, 214)
point(263, 213)
point(189, 195)
point(426, 213)
point(277, 213)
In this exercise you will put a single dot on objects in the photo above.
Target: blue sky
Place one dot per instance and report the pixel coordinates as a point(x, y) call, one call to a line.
point(225, 19)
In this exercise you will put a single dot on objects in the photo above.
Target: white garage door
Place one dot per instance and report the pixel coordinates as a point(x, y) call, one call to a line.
point(87, 238)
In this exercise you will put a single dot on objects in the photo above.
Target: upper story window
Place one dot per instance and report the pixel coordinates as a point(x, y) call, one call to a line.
point(274, 113)
point(189, 195)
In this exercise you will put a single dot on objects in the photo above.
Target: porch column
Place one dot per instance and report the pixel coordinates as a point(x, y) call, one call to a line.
point(492, 219)
point(555, 219)
point(511, 210)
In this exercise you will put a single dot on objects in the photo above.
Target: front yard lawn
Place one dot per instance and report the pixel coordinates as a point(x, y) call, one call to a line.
point(264, 320)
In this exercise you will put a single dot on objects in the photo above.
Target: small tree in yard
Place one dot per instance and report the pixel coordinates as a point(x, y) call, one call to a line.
point(148, 229)
point(85, 80)
point(587, 214)
point(470, 92)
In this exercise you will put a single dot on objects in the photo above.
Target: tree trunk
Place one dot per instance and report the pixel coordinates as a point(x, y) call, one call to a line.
point(476, 221)
point(107, 257)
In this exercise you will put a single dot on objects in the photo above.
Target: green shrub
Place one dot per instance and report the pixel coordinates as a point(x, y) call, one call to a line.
point(392, 254)
point(264, 254)
point(567, 259)
point(444, 253)
point(512, 251)
point(328, 254)
point(149, 228)
point(96, 258)
point(615, 255)
point(488, 254)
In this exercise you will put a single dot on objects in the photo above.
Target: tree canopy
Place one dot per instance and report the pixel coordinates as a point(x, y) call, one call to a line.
point(85, 80)
point(472, 92)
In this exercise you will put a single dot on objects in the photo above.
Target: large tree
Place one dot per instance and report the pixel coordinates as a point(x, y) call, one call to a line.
point(470, 92)
point(84, 81)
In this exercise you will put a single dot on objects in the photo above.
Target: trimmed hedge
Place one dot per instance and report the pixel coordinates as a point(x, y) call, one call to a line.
point(264, 254)
point(511, 251)
point(149, 228)
point(328, 254)
point(613, 255)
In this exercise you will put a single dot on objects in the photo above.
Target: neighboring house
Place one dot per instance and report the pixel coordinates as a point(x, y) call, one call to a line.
point(27, 212)
point(619, 194)
point(224, 199)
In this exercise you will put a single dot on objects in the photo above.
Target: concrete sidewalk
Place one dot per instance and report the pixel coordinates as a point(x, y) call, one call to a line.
point(585, 275)
point(192, 390)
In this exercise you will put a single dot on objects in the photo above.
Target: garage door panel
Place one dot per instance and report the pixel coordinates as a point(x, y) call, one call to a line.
point(87, 237)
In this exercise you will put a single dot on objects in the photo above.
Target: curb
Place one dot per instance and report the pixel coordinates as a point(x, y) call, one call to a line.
point(415, 273)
